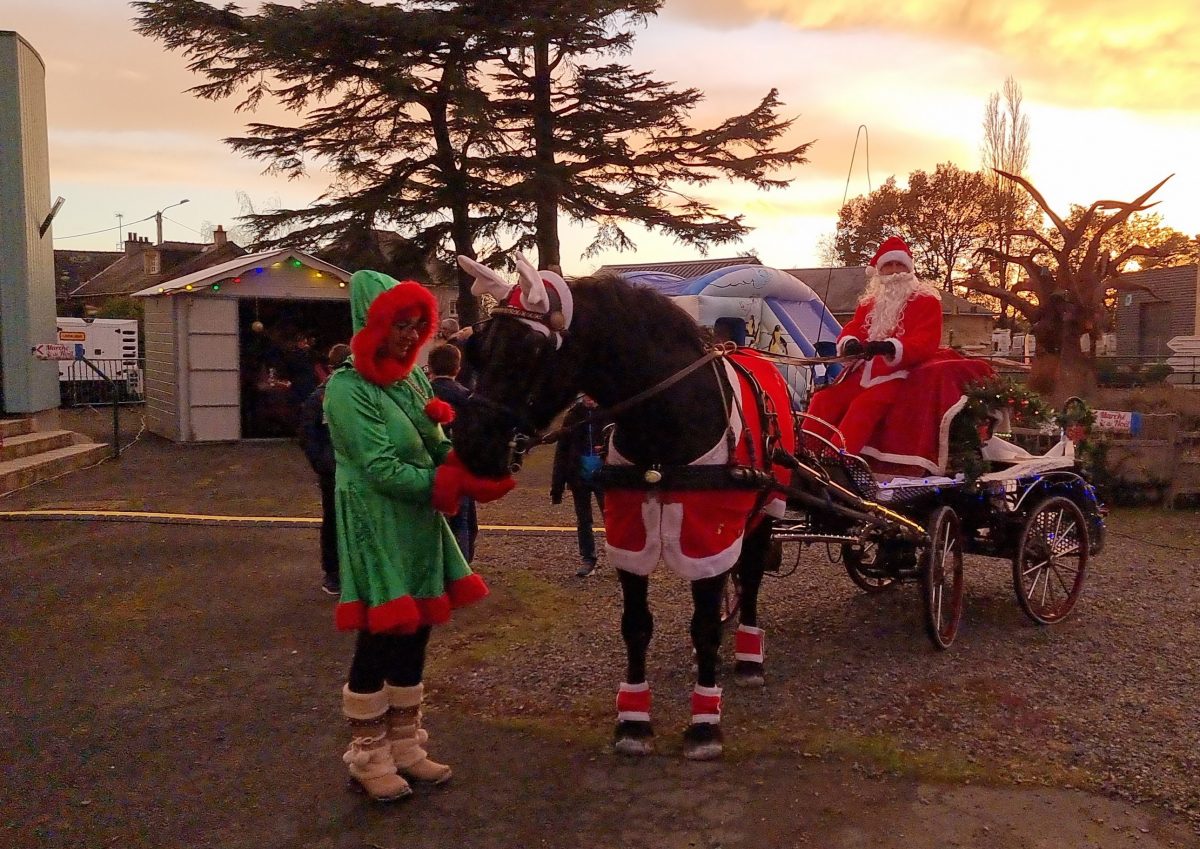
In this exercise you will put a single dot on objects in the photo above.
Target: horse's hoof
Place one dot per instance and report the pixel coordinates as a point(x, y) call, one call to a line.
point(749, 673)
point(633, 738)
point(703, 741)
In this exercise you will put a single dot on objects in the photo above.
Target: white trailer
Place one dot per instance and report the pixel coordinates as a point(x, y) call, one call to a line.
point(111, 345)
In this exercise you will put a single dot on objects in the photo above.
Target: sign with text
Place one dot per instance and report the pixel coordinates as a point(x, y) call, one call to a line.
point(1118, 421)
point(57, 351)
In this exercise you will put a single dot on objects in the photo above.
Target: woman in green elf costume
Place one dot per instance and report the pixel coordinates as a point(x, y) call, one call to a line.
point(401, 569)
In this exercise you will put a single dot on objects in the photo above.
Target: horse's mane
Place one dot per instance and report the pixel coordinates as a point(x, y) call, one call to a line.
point(637, 310)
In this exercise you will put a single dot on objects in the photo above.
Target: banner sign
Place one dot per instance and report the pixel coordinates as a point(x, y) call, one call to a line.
point(1119, 421)
point(57, 351)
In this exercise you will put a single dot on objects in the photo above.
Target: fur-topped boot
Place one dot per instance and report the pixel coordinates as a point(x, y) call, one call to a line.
point(369, 755)
point(408, 738)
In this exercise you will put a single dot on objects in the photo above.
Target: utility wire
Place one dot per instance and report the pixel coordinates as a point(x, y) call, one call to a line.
point(184, 226)
point(105, 230)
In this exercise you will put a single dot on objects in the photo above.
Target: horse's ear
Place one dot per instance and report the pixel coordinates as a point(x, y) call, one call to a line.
point(533, 288)
point(487, 281)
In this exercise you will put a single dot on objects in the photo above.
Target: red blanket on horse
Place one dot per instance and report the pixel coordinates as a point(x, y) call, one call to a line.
point(698, 533)
point(914, 438)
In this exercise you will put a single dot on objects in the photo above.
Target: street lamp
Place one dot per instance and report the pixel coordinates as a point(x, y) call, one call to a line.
point(158, 217)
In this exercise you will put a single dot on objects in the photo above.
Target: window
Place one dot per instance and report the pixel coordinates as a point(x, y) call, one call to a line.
point(1154, 329)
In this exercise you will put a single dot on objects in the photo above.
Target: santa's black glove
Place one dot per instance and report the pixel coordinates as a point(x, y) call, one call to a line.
point(852, 347)
point(880, 348)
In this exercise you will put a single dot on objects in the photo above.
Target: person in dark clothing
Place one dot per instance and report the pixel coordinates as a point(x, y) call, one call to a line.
point(313, 434)
point(445, 362)
point(577, 460)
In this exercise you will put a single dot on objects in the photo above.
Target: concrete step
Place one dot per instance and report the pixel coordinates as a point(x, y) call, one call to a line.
point(15, 427)
point(28, 444)
point(15, 474)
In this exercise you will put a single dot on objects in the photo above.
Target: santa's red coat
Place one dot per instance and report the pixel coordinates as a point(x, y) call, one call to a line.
point(916, 336)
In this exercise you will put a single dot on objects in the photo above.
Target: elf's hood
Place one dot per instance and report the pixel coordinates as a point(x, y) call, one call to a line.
point(376, 301)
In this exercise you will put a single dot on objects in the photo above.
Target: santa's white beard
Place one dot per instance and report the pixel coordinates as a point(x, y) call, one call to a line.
point(890, 294)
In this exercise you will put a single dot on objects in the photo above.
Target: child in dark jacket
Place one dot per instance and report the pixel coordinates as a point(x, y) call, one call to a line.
point(445, 362)
point(313, 434)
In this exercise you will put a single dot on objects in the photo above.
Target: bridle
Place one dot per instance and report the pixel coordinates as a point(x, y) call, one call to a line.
point(525, 435)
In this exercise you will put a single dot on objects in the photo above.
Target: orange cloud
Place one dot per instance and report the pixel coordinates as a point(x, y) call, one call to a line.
point(1081, 52)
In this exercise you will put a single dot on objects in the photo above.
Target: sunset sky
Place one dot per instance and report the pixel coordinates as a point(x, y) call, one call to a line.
point(1110, 90)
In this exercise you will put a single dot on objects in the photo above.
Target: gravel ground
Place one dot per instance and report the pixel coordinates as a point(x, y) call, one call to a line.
point(1106, 700)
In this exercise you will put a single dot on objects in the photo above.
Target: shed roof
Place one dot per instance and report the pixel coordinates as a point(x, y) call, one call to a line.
point(238, 266)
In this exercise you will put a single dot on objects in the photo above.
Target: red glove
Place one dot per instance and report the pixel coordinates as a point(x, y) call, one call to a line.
point(448, 486)
point(439, 411)
point(484, 490)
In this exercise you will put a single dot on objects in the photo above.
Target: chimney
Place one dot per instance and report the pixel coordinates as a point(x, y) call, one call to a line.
point(151, 260)
point(220, 237)
point(133, 244)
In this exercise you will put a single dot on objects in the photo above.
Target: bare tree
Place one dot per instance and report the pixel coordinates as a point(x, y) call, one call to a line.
point(1005, 148)
point(1063, 298)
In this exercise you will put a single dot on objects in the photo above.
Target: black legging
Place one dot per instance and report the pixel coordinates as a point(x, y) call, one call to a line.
point(398, 659)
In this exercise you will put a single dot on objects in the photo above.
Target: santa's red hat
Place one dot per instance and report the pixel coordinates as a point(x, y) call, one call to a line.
point(893, 249)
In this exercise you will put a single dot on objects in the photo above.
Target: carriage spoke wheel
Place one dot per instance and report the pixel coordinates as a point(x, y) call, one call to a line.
point(942, 577)
point(866, 565)
point(1051, 560)
point(731, 597)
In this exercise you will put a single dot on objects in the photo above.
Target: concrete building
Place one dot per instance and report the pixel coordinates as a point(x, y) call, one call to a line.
point(26, 243)
point(1145, 323)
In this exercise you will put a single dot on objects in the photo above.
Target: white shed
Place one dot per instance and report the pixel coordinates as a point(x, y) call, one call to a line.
point(205, 333)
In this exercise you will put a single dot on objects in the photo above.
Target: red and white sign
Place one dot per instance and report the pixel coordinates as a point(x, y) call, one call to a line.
point(56, 351)
point(1118, 421)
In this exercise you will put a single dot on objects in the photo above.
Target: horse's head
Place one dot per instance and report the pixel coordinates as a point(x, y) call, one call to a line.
point(525, 371)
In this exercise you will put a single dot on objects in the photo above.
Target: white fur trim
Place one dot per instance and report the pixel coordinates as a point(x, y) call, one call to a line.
point(894, 256)
point(707, 718)
point(634, 688)
point(632, 716)
point(868, 379)
point(841, 344)
point(894, 360)
point(707, 691)
point(363, 706)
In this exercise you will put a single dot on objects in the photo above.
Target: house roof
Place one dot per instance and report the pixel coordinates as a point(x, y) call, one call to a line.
point(1176, 278)
point(128, 274)
point(840, 289)
point(683, 268)
point(240, 265)
point(73, 268)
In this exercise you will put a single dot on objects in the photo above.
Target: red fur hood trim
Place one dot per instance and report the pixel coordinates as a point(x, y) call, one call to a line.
point(383, 312)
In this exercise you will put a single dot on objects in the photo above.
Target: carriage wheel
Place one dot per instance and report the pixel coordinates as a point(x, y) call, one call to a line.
point(942, 577)
point(731, 599)
point(867, 566)
point(1051, 560)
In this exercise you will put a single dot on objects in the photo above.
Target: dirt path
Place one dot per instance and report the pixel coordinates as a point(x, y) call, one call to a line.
point(177, 686)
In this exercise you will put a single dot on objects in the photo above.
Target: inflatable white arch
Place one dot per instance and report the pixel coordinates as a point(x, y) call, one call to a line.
point(781, 313)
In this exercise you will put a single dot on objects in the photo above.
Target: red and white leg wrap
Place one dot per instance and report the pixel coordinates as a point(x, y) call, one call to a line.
point(748, 644)
point(706, 705)
point(633, 702)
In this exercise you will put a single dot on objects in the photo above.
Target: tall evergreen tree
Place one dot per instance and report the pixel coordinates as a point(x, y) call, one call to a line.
point(389, 101)
point(604, 144)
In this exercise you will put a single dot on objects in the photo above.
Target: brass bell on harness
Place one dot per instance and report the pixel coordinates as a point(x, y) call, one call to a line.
point(652, 476)
point(556, 321)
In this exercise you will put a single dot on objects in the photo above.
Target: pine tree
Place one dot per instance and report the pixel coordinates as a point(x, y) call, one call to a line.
point(604, 144)
point(389, 101)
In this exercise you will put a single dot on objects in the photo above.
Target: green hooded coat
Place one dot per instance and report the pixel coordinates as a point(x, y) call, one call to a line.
point(400, 566)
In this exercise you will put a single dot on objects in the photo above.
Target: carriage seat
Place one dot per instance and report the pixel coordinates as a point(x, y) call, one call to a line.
point(913, 439)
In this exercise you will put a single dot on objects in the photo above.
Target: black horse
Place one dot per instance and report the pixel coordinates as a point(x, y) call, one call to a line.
point(645, 360)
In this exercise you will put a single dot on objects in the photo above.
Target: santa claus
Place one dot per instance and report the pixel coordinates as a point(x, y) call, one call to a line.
point(897, 326)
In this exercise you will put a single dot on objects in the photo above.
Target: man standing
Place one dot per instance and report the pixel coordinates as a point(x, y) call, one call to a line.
point(577, 460)
point(445, 362)
point(897, 326)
